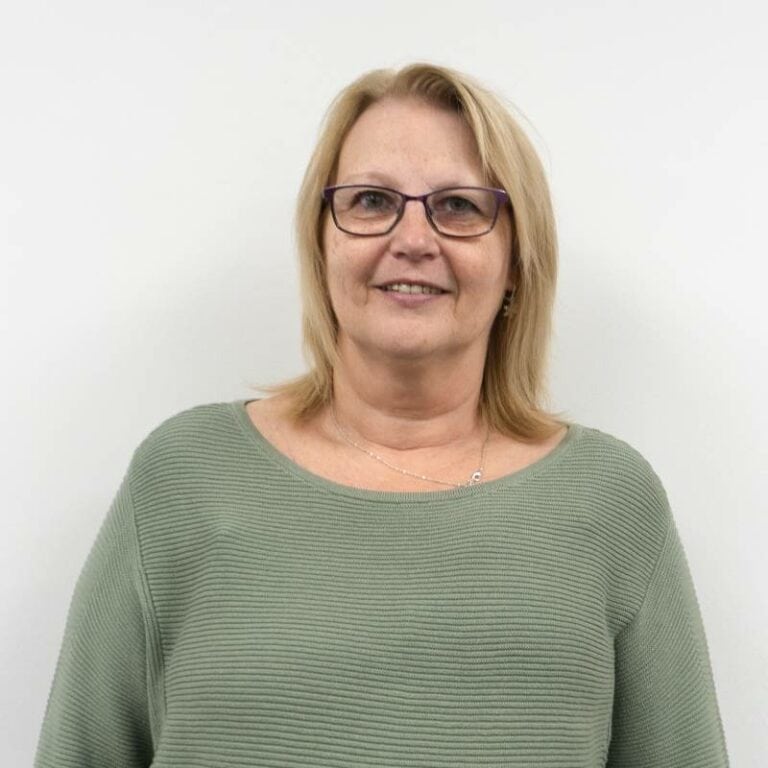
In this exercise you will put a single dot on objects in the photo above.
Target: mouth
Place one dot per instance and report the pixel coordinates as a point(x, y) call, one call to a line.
point(411, 288)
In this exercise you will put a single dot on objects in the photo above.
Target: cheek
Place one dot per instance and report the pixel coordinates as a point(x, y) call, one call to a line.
point(484, 273)
point(334, 270)
point(500, 256)
point(345, 271)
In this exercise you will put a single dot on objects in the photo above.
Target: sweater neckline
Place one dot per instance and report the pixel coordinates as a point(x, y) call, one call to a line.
point(545, 464)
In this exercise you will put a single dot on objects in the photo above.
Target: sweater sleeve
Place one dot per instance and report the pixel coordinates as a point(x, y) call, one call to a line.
point(665, 710)
point(98, 710)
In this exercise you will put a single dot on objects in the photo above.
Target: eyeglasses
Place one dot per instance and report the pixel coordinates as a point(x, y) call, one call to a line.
point(369, 211)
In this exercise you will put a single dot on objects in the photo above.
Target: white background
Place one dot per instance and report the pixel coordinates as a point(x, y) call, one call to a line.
point(150, 154)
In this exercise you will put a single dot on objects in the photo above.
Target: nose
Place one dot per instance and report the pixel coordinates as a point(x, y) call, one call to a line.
point(413, 236)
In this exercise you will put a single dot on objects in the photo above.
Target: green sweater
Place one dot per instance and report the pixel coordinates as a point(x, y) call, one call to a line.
point(238, 610)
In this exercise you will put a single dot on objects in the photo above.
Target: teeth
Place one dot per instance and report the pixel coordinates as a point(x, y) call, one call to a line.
point(411, 288)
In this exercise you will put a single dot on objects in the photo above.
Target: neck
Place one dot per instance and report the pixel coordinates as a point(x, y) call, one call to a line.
point(407, 405)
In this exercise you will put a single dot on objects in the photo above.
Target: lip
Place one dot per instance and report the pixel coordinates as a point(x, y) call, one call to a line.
point(411, 281)
point(410, 299)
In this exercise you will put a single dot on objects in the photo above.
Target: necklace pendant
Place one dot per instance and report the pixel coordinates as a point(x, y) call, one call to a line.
point(476, 476)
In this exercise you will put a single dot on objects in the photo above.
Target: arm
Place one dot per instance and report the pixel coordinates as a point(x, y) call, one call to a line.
point(665, 711)
point(98, 711)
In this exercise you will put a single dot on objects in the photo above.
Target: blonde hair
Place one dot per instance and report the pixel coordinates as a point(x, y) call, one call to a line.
point(513, 385)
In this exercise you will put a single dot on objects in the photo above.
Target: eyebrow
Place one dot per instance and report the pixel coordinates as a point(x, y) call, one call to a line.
point(377, 178)
point(373, 177)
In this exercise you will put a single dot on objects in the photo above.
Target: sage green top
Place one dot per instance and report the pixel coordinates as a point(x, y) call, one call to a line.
point(238, 610)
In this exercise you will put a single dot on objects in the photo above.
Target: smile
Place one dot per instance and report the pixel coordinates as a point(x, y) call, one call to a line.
point(411, 288)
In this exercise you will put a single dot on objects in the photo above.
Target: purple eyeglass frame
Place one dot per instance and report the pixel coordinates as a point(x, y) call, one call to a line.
point(500, 195)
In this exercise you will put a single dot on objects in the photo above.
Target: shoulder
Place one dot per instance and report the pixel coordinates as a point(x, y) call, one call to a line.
point(611, 463)
point(623, 479)
point(618, 490)
point(613, 485)
point(188, 447)
point(191, 424)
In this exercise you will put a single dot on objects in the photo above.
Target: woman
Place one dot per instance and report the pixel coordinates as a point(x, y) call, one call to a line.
point(400, 558)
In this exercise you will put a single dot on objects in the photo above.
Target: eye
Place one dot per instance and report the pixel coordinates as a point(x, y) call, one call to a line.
point(373, 201)
point(454, 205)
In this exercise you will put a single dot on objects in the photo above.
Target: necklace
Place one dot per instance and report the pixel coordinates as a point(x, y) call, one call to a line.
point(474, 478)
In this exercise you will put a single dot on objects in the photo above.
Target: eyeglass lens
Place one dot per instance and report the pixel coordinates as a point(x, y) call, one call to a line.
point(459, 211)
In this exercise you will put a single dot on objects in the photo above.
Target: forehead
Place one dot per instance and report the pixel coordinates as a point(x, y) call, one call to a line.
point(409, 142)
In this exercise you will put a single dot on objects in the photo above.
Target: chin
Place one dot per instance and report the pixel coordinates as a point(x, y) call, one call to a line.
point(408, 349)
point(399, 343)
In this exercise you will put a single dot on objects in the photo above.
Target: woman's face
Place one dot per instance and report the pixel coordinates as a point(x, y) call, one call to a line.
point(414, 148)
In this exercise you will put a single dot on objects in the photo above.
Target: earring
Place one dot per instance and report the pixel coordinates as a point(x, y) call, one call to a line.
point(506, 305)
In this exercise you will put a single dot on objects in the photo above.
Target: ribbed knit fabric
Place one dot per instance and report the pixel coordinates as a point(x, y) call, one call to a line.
point(238, 610)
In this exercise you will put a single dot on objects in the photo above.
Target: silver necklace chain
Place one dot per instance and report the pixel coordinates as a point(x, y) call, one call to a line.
point(474, 478)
